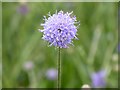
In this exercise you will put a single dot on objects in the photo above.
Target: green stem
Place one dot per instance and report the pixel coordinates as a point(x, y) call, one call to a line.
point(59, 70)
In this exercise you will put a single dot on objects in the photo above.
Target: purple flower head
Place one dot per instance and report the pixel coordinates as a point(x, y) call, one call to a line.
point(118, 48)
point(98, 79)
point(59, 29)
point(28, 65)
point(23, 9)
point(51, 74)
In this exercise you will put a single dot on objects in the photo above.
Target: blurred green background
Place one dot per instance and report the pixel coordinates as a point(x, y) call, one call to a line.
point(1, 45)
point(26, 57)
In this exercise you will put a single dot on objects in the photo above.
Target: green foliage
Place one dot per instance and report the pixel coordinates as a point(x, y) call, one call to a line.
point(95, 49)
point(1, 44)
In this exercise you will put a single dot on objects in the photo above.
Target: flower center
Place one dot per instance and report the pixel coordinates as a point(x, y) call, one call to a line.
point(59, 30)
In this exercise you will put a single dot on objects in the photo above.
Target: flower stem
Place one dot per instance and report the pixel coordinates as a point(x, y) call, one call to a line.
point(59, 70)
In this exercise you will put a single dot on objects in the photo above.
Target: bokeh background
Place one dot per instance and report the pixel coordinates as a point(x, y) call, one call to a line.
point(28, 61)
point(1, 45)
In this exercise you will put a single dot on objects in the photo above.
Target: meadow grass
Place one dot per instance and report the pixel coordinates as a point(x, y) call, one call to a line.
point(95, 50)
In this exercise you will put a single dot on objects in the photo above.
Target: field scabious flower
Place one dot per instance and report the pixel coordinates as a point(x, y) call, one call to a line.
point(51, 74)
point(118, 48)
point(98, 79)
point(59, 29)
point(23, 9)
point(28, 65)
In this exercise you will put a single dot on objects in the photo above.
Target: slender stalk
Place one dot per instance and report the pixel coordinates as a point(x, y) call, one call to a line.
point(59, 70)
